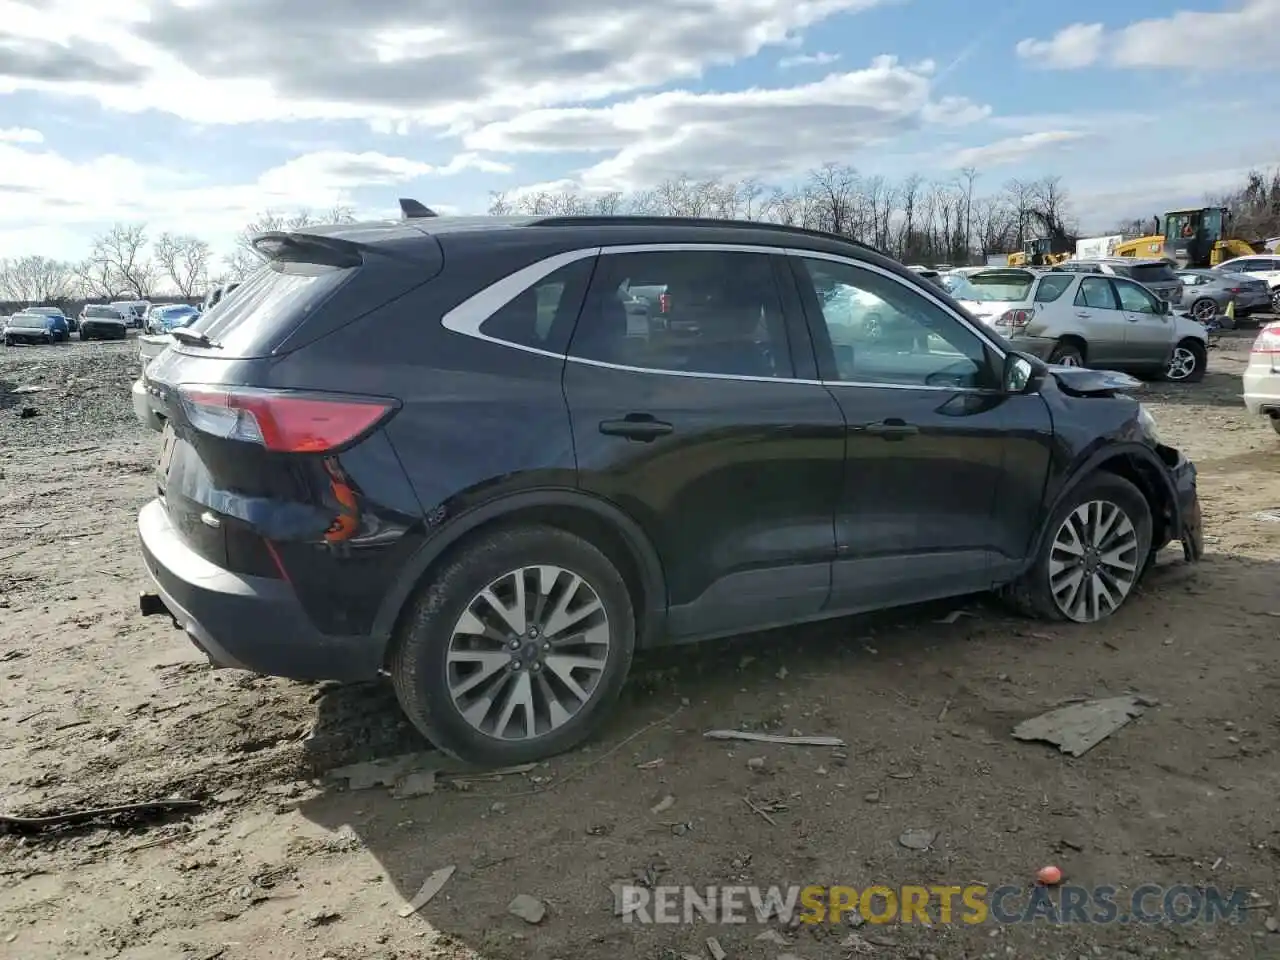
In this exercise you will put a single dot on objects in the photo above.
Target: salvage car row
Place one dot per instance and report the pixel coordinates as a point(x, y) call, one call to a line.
point(111, 321)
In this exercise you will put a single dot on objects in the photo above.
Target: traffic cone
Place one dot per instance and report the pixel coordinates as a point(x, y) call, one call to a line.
point(1231, 315)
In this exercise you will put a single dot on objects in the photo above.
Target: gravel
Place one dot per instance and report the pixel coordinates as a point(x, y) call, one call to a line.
point(56, 395)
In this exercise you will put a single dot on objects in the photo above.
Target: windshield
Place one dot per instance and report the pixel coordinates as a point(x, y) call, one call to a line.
point(28, 321)
point(107, 313)
point(994, 287)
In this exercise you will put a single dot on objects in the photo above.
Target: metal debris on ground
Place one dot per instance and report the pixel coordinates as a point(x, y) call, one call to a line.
point(955, 615)
point(714, 948)
point(429, 889)
point(774, 738)
point(1268, 516)
point(650, 764)
point(1078, 727)
point(527, 908)
point(918, 839)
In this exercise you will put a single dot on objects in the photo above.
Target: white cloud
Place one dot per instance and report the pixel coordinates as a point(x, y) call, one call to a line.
point(20, 135)
point(434, 61)
point(808, 60)
point(1013, 149)
point(42, 187)
point(1078, 45)
point(1247, 36)
point(765, 132)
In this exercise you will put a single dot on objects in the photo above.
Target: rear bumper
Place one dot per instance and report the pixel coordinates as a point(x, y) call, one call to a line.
point(1261, 391)
point(142, 408)
point(243, 622)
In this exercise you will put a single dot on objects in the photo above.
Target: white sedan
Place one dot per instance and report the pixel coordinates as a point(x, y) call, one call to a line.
point(1262, 376)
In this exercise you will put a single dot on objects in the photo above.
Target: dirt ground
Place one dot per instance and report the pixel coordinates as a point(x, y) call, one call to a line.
point(99, 706)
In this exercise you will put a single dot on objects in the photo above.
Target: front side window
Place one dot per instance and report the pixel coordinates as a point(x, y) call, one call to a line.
point(1134, 299)
point(884, 332)
point(710, 312)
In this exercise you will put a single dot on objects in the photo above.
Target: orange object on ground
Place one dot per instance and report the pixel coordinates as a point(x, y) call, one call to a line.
point(1049, 876)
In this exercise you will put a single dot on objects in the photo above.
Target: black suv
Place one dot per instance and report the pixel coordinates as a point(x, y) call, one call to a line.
point(459, 451)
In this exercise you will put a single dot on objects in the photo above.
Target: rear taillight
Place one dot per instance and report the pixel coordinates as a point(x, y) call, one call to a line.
point(1014, 318)
point(1268, 340)
point(664, 303)
point(1235, 290)
point(282, 421)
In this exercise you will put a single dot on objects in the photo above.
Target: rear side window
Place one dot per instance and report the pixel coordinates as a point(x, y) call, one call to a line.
point(1096, 292)
point(266, 307)
point(1052, 287)
point(719, 313)
point(1152, 273)
point(542, 317)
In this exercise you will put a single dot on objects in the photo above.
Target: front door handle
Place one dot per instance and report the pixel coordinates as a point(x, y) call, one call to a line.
point(636, 426)
point(891, 429)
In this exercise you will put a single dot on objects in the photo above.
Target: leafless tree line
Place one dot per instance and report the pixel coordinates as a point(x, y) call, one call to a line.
point(916, 221)
point(125, 263)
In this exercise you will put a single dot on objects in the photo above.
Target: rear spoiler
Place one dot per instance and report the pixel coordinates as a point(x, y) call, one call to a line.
point(286, 247)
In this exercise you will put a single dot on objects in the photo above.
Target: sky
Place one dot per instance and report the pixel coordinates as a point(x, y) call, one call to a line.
point(194, 116)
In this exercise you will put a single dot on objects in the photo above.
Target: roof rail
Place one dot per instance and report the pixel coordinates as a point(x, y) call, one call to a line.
point(413, 210)
point(598, 220)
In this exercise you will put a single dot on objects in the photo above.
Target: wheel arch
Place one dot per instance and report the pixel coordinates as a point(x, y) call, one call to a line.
point(1142, 467)
point(596, 520)
point(1077, 341)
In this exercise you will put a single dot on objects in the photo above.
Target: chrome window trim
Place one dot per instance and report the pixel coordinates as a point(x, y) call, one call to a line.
point(468, 316)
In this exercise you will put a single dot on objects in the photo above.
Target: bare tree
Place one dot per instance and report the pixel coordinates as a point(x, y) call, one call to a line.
point(186, 262)
point(118, 265)
point(35, 278)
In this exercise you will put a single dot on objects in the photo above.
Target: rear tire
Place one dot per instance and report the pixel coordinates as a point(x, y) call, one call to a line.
point(1275, 424)
point(1044, 591)
point(1067, 354)
point(1204, 309)
point(434, 649)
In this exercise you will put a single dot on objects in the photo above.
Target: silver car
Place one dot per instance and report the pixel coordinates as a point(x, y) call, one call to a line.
point(1086, 319)
point(1206, 293)
point(1158, 276)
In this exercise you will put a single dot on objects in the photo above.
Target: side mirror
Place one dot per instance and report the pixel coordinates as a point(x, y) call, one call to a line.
point(1021, 373)
point(1166, 308)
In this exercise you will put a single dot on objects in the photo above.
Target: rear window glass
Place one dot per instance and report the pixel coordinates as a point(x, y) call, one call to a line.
point(269, 305)
point(102, 312)
point(1052, 287)
point(28, 320)
point(1006, 287)
point(1152, 272)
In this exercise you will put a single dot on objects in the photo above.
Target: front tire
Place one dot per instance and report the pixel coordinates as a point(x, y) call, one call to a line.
point(1095, 550)
point(1188, 364)
point(517, 647)
point(1204, 309)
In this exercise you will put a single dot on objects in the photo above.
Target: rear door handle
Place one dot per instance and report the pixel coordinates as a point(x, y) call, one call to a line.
point(891, 429)
point(636, 426)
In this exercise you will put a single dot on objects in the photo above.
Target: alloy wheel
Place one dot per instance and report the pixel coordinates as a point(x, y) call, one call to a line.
point(1204, 310)
point(528, 653)
point(1093, 561)
point(1183, 364)
point(1069, 360)
point(1275, 299)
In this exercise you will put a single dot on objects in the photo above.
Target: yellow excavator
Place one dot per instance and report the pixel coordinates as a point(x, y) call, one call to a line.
point(1042, 252)
point(1191, 238)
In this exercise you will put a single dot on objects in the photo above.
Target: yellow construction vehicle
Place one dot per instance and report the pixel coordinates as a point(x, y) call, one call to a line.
point(1191, 238)
point(1042, 252)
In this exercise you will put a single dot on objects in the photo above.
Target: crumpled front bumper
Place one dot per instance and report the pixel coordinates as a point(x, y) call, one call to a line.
point(1189, 518)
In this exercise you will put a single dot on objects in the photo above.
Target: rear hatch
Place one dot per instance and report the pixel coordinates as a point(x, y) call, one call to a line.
point(248, 462)
point(1159, 278)
point(27, 323)
point(992, 293)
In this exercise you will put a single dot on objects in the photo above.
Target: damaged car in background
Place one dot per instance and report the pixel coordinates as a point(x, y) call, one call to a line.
point(438, 449)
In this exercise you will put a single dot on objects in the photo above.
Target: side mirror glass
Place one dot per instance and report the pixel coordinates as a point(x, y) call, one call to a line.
point(1018, 373)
